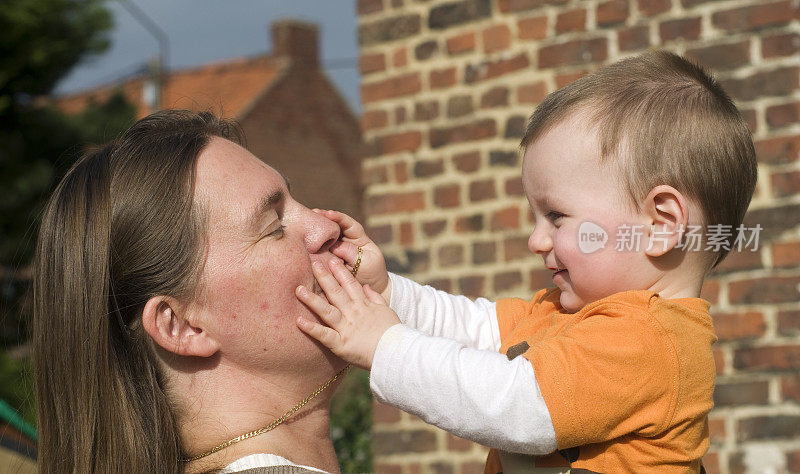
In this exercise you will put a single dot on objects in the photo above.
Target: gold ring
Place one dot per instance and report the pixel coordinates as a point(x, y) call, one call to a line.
point(358, 261)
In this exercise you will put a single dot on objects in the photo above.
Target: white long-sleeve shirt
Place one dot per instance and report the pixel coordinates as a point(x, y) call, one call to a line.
point(443, 365)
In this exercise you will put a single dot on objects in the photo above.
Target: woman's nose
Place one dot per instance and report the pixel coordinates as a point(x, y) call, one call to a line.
point(321, 232)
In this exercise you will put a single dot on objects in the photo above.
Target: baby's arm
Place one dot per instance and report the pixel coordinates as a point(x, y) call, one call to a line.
point(478, 395)
point(433, 312)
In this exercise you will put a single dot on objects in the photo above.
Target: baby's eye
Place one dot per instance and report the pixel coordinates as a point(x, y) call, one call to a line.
point(553, 216)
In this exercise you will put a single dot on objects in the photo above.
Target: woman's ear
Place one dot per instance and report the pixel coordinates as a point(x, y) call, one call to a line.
point(167, 322)
point(668, 213)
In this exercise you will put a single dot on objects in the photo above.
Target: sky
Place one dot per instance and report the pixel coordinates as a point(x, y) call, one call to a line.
point(203, 31)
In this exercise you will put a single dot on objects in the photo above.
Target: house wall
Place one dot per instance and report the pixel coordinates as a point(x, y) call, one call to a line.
point(446, 89)
point(303, 128)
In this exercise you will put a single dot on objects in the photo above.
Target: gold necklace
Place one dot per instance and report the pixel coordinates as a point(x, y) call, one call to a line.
point(272, 425)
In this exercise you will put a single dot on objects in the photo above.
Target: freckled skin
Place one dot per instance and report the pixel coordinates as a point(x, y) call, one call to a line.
point(250, 275)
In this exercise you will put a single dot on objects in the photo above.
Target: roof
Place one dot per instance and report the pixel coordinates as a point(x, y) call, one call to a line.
point(227, 87)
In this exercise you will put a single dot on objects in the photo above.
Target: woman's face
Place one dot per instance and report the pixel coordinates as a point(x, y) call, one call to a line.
point(260, 245)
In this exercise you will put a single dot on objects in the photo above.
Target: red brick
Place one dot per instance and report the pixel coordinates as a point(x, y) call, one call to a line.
point(447, 195)
point(719, 360)
point(789, 323)
point(475, 131)
point(786, 184)
point(716, 430)
point(384, 413)
point(749, 117)
point(507, 6)
point(388, 468)
point(424, 111)
point(724, 56)
point(454, 443)
point(777, 82)
point(471, 467)
point(433, 228)
point(374, 119)
point(495, 97)
point(426, 50)
point(443, 284)
point(484, 252)
point(473, 286)
point(400, 57)
point(467, 162)
point(654, 7)
point(768, 427)
point(781, 45)
point(683, 28)
point(790, 388)
point(711, 463)
point(482, 190)
point(612, 12)
point(399, 115)
point(406, 234)
point(573, 20)
point(507, 280)
point(441, 78)
point(744, 325)
point(450, 255)
point(394, 203)
point(754, 17)
point(779, 150)
point(573, 53)
point(710, 291)
point(741, 393)
point(541, 278)
point(786, 254)
point(773, 289)
point(389, 29)
point(365, 7)
point(400, 172)
point(532, 28)
point(785, 357)
point(738, 260)
point(403, 441)
point(473, 223)
point(459, 106)
point(489, 70)
point(369, 63)
point(514, 187)
point(406, 141)
point(397, 86)
point(462, 43)
point(567, 78)
point(375, 174)
point(783, 115)
point(504, 219)
point(496, 38)
point(428, 168)
point(515, 248)
point(381, 234)
point(532, 93)
point(631, 39)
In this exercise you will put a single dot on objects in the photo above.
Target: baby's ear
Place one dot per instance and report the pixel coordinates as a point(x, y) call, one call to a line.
point(668, 212)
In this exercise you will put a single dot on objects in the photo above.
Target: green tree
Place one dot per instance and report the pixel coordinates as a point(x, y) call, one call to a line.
point(40, 42)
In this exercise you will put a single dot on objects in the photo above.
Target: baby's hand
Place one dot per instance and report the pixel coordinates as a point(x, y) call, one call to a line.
point(356, 321)
point(372, 268)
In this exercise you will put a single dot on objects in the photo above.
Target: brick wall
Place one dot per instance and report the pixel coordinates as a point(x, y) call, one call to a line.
point(446, 89)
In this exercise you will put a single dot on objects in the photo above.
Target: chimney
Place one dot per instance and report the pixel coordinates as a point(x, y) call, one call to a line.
point(296, 40)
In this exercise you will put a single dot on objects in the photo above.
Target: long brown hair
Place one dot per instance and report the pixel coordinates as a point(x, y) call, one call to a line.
point(120, 228)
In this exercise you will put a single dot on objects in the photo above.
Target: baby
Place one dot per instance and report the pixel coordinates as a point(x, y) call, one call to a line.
point(612, 370)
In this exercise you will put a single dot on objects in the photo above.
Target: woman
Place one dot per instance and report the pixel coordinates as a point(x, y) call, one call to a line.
point(164, 318)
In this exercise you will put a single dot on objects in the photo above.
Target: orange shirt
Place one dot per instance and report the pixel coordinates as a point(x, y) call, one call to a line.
point(628, 379)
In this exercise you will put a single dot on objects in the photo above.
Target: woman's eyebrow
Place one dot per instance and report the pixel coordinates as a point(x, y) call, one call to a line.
point(266, 203)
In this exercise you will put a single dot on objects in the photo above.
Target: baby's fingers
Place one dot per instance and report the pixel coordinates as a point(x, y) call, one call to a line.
point(319, 305)
point(350, 227)
point(327, 336)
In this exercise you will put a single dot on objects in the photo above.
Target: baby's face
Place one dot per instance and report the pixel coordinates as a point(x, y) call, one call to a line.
point(581, 210)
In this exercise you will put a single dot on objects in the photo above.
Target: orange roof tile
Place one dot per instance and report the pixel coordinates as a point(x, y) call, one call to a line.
point(226, 88)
